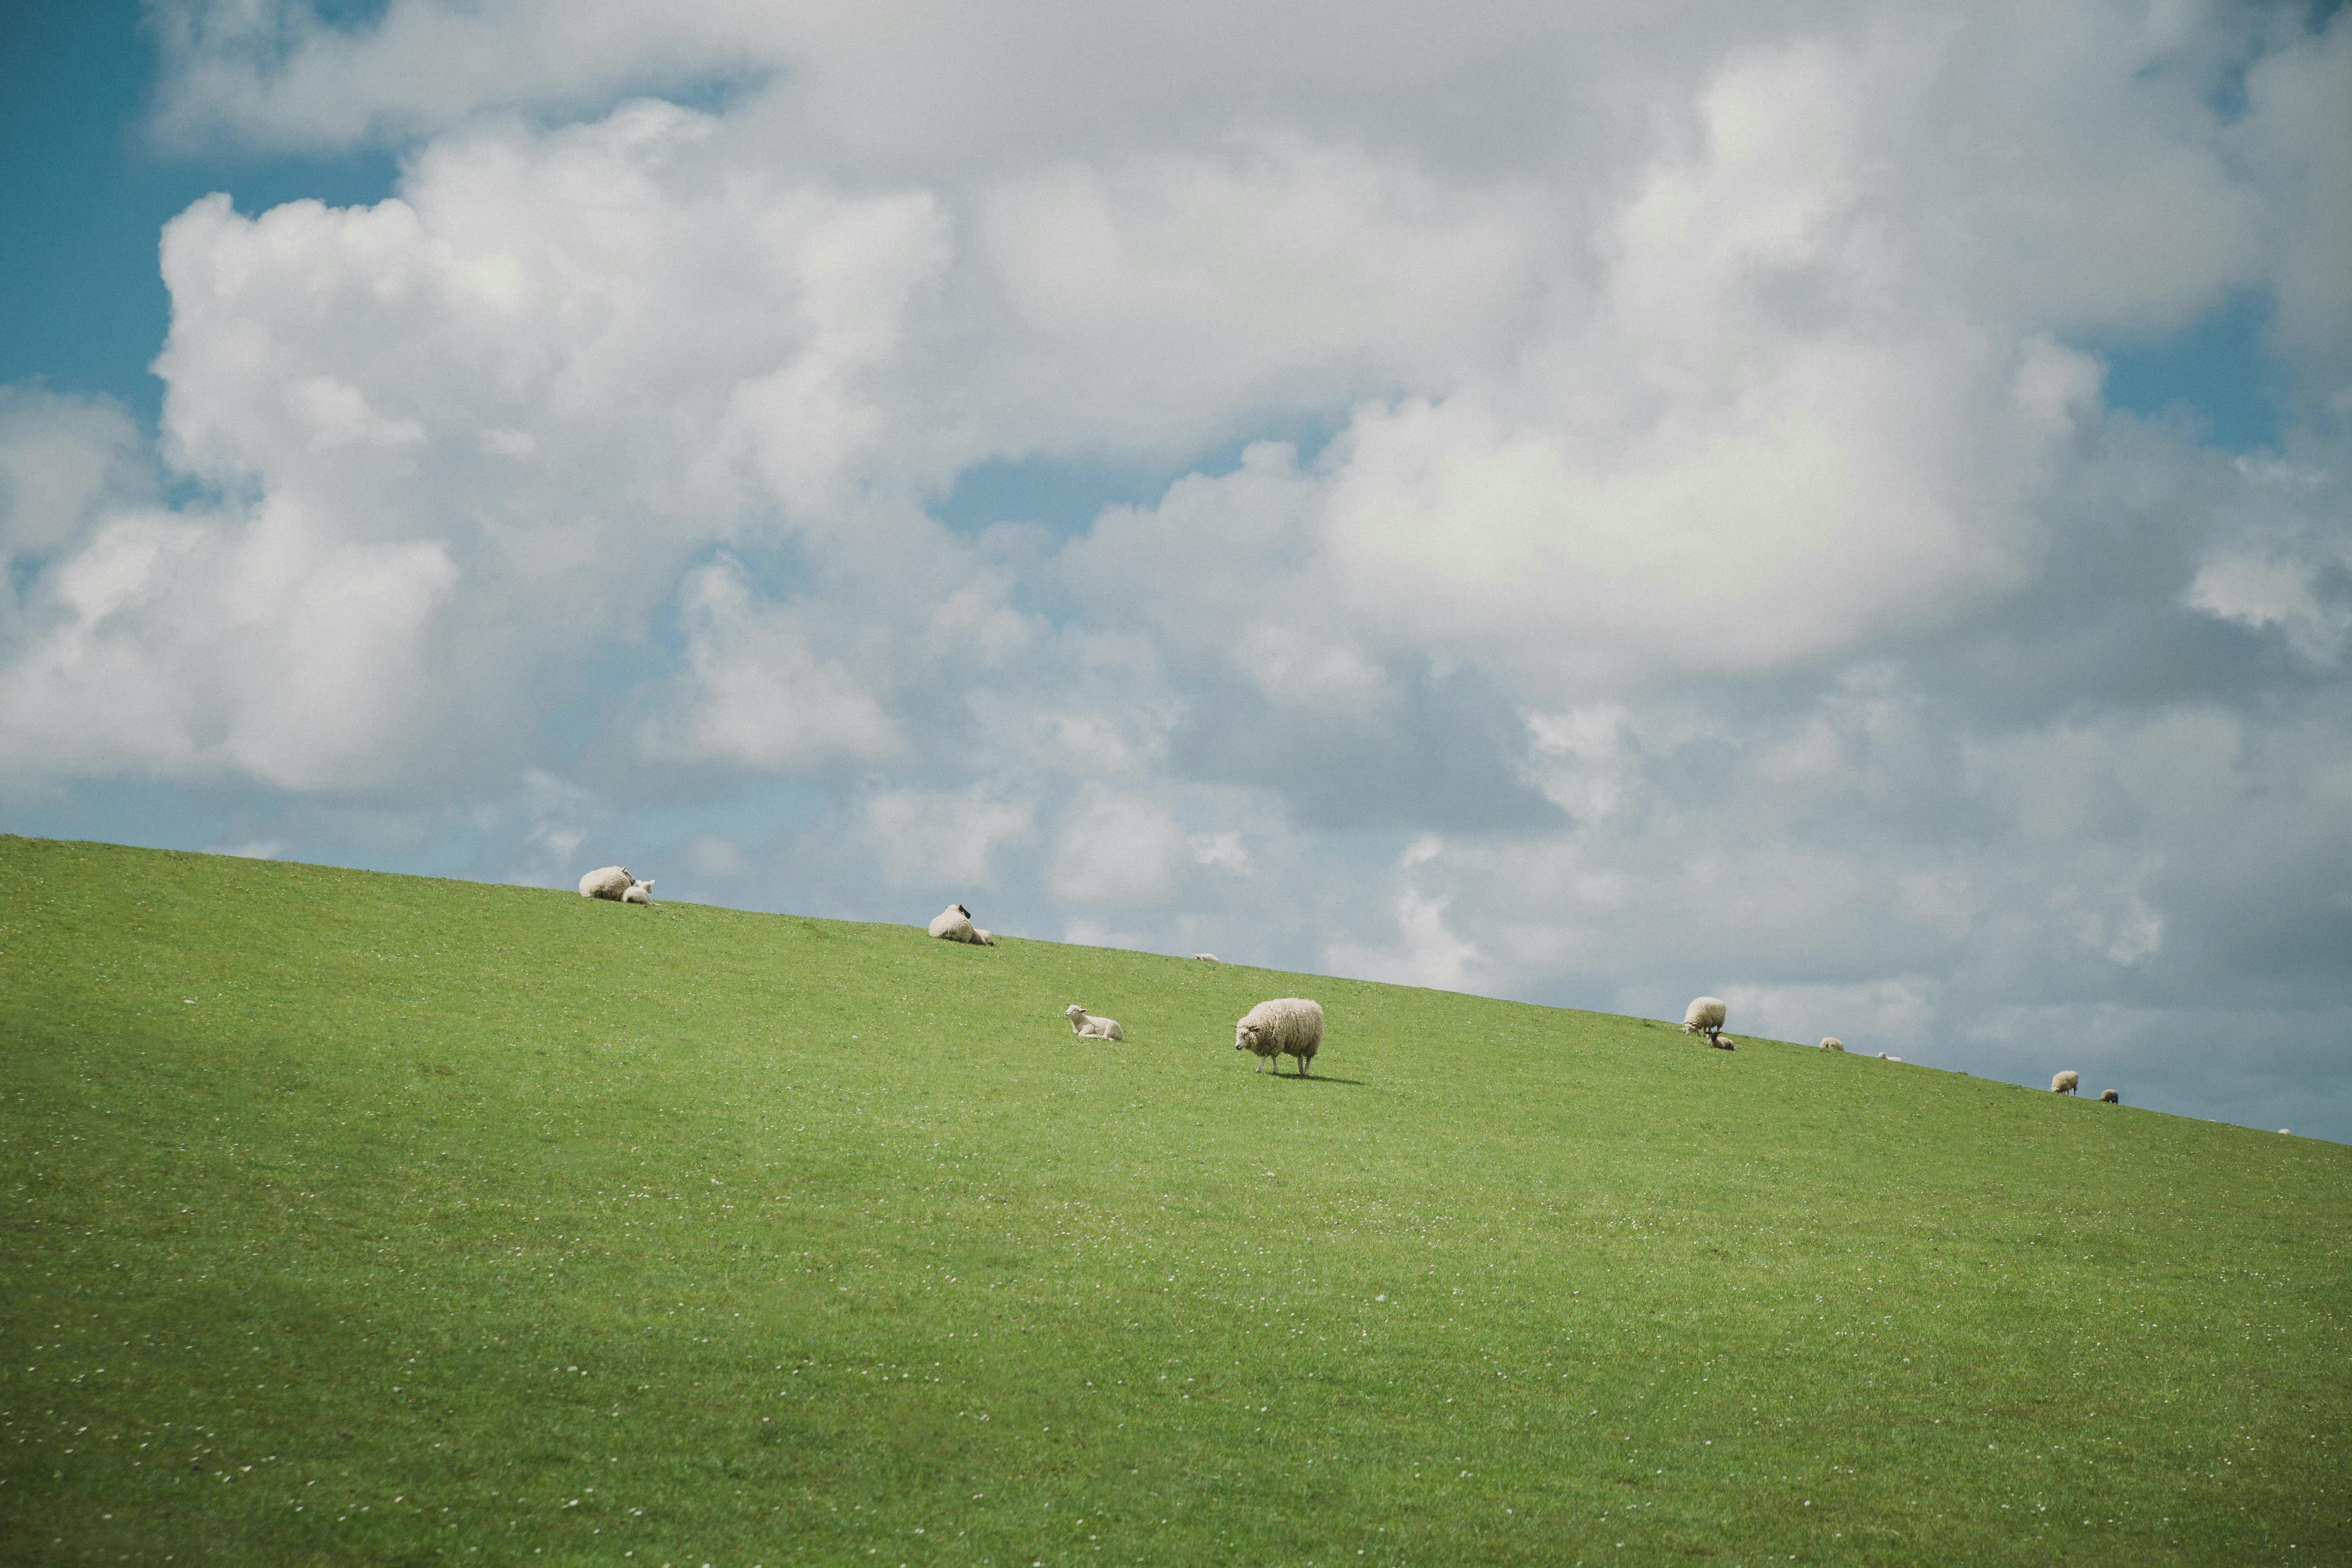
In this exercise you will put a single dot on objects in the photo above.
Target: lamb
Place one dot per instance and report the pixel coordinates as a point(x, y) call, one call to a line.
point(2110, 1097)
point(954, 924)
point(1832, 1043)
point(639, 892)
point(2067, 1082)
point(1089, 1026)
point(1705, 1016)
point(609, 883)
point(1286, 1026)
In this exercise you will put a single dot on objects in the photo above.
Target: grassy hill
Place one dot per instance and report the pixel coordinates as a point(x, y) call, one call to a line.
point(353, 1218)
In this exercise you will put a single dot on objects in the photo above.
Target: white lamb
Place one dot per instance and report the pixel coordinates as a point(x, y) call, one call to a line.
point(1832, 1043)
point(639, 892)
point(2067, 1082)
point(954, 924)
point(609, 883)
point(1204, 958)
point(1090, 1026)
point(1705, 1016)
point(1286, 1026)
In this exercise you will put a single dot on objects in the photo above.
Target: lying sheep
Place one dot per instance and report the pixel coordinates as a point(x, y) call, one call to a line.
point(954, 924)
point(2067, 1082)
point(1286, 1026)
point(1832, 1043)
point(1204, 958)
point(639, 892)
point(1087, 1024)
point(1704, 1017)
point(609, 883)
point(2110, 1097)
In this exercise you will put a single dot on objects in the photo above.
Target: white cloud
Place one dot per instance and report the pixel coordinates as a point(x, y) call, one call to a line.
point(944, 839)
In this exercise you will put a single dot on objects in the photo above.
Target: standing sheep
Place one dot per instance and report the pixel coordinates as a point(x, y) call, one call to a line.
point(609, 883)
point(2067, 1082)
point(1286, 1026)
point(1087, 1024)
point(954, 924)
point(1832, 1043)
point(2110, 1097)
point(1705, 1016)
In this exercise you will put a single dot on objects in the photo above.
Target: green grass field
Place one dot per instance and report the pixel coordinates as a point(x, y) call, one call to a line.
point(365, 1219)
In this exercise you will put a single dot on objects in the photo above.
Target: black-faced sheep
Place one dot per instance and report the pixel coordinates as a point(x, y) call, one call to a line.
point(2111, 1096)
point(1704, 1017)
point(954, 924)
point(2067, 1082)
point(608, 883)
point(1286, 1026)
point(1087, 1024)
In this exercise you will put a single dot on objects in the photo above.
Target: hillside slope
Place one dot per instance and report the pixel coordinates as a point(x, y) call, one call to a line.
point(359, 1218)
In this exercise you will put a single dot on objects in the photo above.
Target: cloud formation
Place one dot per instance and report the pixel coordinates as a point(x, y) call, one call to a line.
point(1640, 512)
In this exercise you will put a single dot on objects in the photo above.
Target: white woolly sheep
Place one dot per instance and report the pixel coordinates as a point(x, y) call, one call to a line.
point(609, 883)
point(2067, 1082)
point(1832, 1043)
point(639, 892)
point(1704, 1017)
point(2111, 1096)
point(954, 924)
point(1204, 958)
point(1285, 1026)
point(1091, 1025)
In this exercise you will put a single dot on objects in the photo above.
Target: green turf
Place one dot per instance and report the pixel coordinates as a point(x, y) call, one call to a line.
point(365, 1219)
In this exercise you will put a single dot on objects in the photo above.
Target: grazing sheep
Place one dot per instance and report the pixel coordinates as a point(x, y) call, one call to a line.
point(1204, 958)
point(639, 892)
point(1704, 1017)
point(954, 924)
point(2111, 1096)
point(1832, 1043)
point(609, 883)
point(1092, 1028)
point(1286, 1026)
point(2067, 1082)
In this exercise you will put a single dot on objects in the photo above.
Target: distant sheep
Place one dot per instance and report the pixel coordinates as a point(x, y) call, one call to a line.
point(1832, 1043)
point(638, 892)
point(2110, 1097)
point(1286, 1026)
point(2067, 1082)
point(954, 924)
point(1204, 958)
point(609, 883)
point(1704, 1017)
point(1085, 1024)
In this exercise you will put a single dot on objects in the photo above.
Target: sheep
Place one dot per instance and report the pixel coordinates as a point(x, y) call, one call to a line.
point(2111, 1096)
point(954, 924)
point(1832, 1043)
point(1704, 1017)
point(1204, 958)
point(2067, 1082)
point(639, 892)
point(609, 883)
point(1286, 1026)
point(1091, 1026)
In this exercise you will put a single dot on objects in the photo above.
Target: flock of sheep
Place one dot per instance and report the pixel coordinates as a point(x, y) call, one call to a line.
point(1286, 1026)
point(1706, 1016)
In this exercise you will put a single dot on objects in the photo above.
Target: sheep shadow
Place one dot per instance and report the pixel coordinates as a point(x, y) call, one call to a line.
point(1319, 1077)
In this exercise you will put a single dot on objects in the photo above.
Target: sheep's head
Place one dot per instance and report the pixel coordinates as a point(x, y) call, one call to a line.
point(1246, 1036)
point(961, 911)
point(1074, 1011)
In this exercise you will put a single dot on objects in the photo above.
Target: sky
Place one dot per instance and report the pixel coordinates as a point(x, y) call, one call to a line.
point(1840, 507)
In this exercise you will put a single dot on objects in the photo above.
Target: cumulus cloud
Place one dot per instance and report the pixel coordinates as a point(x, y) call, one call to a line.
point(1662, 532)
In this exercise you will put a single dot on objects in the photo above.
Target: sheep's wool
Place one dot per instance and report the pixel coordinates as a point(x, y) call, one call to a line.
point(608, 883)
